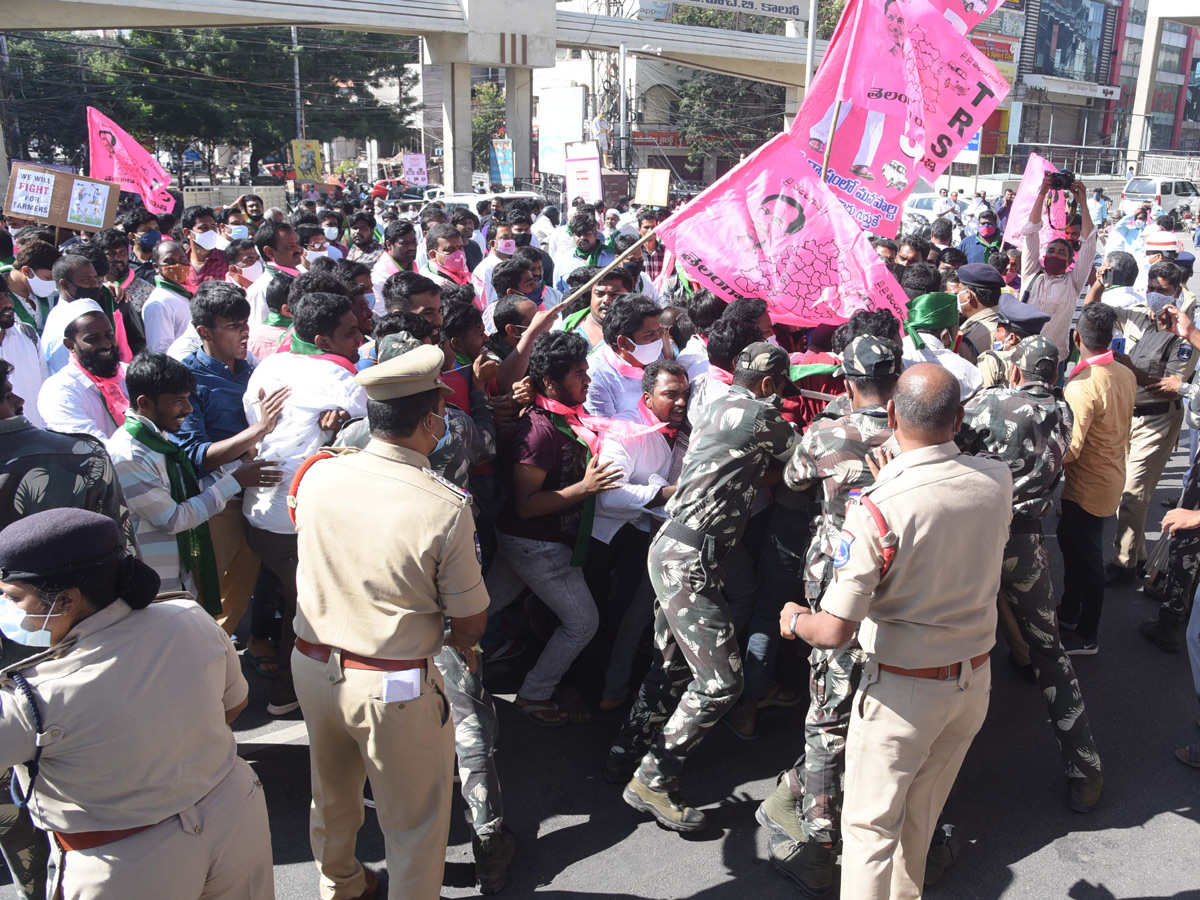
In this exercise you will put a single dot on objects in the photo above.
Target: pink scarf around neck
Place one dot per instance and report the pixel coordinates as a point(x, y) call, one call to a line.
point(592, 429)
point(110, 389)
point(1102, 359)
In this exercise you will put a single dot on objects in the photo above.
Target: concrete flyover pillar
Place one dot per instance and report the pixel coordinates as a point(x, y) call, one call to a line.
point(518, 118)
point(1141, 112)
point(456, 127)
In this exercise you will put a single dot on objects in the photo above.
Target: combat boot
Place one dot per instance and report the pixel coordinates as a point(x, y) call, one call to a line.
point(493, 853)
point(780, 812)
point(1085, 793)
point(666, 806)
point(943, 851)
point(1163, 632)
point(808, 863)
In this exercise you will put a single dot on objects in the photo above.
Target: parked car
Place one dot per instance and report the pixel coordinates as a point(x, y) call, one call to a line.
point(1167, 192)
point(455, 201)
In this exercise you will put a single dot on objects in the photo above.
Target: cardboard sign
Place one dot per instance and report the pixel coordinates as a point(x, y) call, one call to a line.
point(306, 156)
point(415, 170)
point(50, 197)
point(582, 172)
point(653, 187)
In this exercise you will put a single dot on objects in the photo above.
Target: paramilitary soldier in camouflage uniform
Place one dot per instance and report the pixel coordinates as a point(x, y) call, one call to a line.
point(804, 811)
point(1028, 428)
point(695, 644)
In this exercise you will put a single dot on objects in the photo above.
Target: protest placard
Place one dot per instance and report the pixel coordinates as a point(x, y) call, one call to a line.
point(54, 198)
point(416, 171)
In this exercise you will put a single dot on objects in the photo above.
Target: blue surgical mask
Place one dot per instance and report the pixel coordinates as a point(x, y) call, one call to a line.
point(536, 295)
point(997, 345)
point(150, 239)
point(238, 232)
point(12, 617)
point(445, 435)
point(370, 298)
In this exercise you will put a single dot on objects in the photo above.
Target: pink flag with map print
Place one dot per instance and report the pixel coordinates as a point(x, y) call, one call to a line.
point(769, 228)
point(1031, 182)
point(115, 156)
point(915, 91)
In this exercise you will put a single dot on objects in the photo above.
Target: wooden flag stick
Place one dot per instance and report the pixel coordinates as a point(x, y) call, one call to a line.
point(612, 265)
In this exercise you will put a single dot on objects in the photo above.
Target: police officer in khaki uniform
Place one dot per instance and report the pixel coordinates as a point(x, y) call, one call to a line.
point(1015, 321)
point(979, 302)
point(927, 631)
point(373, 586)
point(119, 730)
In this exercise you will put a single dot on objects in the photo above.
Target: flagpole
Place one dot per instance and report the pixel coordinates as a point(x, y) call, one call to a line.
point(579, 292)
point(837, 107)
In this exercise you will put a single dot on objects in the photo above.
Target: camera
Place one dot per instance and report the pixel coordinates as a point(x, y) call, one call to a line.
point(1062, 181)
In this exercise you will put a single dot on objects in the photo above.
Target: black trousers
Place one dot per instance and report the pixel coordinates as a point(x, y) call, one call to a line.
point(1081, 540)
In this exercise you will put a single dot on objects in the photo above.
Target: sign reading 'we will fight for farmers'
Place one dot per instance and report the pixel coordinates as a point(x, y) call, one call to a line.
point(913, 92)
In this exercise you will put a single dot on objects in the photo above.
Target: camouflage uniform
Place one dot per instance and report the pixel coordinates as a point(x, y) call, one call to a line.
point(1030, 430)
point(696, 675)
point(833, 451)
point(42, 470)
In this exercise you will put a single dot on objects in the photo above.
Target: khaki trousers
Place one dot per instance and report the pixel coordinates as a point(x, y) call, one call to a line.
point(237, 565)
point(219, 849)
point(907, 740)
point(406, 749)
point(1151, 442)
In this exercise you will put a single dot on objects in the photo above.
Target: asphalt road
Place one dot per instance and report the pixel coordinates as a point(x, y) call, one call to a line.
point(578, 839)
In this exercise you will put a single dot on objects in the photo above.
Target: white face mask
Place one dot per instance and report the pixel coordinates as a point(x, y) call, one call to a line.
point(331, 233)
point(205, 240)
point(315, 254)
point(254, 271)
point(12, 618)
point(40, 286)
point(964, 299)
point(774, 341)
point(647, 353)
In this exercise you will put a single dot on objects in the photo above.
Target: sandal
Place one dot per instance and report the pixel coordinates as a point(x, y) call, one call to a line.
point(572, 703)
point(530, 711)
point(780, 696)
point(1189, 755)
point(741, 721)
point(266, 666)
point(608, 704)
point(862, 172)
point(817, 145)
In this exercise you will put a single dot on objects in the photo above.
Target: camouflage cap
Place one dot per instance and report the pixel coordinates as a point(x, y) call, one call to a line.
point(1031, 351)
point(768, 359)
point(395, 345)
point(867, 356)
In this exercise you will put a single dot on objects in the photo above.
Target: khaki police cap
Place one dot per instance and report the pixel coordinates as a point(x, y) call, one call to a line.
point(414, 372)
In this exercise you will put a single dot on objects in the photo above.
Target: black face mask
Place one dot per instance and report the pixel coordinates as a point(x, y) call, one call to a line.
point(523, 240)
point(86, 293)
point(634, 268)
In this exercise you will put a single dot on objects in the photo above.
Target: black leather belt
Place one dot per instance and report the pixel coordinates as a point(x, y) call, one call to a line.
point(712, 552)
point(1156, 409)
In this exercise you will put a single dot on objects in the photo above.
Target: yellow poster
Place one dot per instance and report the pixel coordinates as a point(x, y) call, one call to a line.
point(306, 155)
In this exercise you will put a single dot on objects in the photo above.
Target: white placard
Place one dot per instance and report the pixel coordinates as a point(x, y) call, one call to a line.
point(415, 171)
point(32, 193)
point(582, 172)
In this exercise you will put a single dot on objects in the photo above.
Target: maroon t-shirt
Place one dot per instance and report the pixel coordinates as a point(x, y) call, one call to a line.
point(536, 442)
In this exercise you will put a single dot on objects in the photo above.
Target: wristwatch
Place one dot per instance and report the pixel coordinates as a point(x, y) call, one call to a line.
point(792, 626)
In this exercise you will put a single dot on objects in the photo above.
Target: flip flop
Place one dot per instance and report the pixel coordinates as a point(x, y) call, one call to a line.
point(260, 664)
point(862, 172)
point(1189, 755)
point(528, 710)
point(780, 696)
point(571, 702)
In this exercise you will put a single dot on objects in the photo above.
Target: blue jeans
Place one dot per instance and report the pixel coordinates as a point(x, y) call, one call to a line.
point(546, 569)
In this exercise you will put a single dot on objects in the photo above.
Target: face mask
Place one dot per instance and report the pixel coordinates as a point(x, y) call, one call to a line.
point(998, 346)
point(177, 274)
point(1158, 302)
point(1139, 224)
point(508, 247)
point(536, 295)
point(150, 239)
point(445, 434)
point(1054, 265)
point(964, 300)
point(647, 353)
point(455, 262)
point(987, 230)
point(370, 299)
point(205, 240)
point(86, 293)
point(41, 287)
point(773, 340)
point(253, 271)
point(310, 255)
point(331, 233)
point(1009, 277)
point(239, 232)
point(523, 240)
point(12, 617)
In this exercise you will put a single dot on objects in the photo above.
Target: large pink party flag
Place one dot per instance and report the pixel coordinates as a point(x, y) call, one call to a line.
point(769, 228)
point(914, 92)
point(966, 14)
point(1054, 219)
point(115, 156)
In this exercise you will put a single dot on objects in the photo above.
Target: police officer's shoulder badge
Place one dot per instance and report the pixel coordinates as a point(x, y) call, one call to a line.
point(843, 551)
point(447, 483)
point(1185, 352)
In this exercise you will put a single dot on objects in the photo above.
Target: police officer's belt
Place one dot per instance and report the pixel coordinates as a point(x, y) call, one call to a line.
point(322, 652)
point(938, 673)
point(87, 840)
point(1156, 409)
point(1025, 526)
point(712, 551)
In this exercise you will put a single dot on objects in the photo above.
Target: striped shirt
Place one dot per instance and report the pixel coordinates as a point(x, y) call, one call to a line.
point(157, 517)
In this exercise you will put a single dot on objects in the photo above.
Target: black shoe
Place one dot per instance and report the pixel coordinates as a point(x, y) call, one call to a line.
point(943, 851)
point(493, 855)
point(619, 769)
point(283, 697)
point(1115, 575)
point(1076, 645)
point(809, 864)
point(1085, 793)
point(1161, 634)
point(1156, 590)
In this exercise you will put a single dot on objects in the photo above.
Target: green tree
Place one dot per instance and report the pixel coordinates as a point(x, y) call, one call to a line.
point(487, 122)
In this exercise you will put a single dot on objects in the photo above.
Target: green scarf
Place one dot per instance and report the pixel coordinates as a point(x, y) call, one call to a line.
point(195, 545)
point(571, 322)
point(462, 360)
point(25, 315)
point(302, 347)
point(795, 373)
point(579, 553)
point(932, 312)
point(279, 320)
point(686, 282)
point(172, 286)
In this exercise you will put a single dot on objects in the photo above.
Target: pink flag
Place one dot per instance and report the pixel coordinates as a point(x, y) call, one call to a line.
point(966, 14)
point(915, 91)
point(769, 228)
point(115, 156)
point(1018, 217)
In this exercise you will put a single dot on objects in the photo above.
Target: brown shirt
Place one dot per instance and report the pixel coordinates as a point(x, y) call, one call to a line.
point(932, 608)
point(386, 550)
point(1101, 399)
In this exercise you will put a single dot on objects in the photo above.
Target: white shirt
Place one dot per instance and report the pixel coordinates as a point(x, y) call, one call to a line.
point(705, 389)
point(647, 288)
point(542, 229)
point(385, 267)
point(942, 206)
point(694, 355)
point(968, 377)
point(611, 392)
point(63, 313)
point(1058, 295)
point(167, 316)
point(69, 402)
point(1123, 297)
point(645, 462)
point(19, 348)
point(481, 279)
point(257, 295)
point(318, 385)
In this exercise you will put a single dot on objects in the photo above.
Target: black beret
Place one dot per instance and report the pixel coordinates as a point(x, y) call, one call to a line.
point(980, 275)
point(55, 542)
